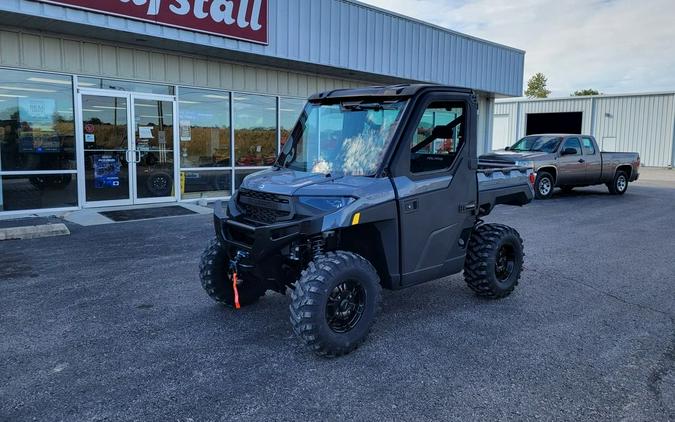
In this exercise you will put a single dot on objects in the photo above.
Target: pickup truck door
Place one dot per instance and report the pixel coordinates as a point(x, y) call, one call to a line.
point(593, 161)
point(571, 167)
point(436, 188)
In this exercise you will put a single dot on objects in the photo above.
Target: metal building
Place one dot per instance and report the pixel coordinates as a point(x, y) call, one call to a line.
point(135, 101)
point(644, 123)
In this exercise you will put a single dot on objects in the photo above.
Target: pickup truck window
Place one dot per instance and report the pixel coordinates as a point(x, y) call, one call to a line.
point(587, 143)
point(439, 135)
point(574, 144)
point(538, 143)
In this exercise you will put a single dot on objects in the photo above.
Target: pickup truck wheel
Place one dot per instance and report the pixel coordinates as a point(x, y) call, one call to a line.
point(543, 185)
point(494, 260)
point(334, 303)
point(215, 278)
point(619, 185)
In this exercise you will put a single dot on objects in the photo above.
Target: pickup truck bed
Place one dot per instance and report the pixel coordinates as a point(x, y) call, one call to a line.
point(503, 184)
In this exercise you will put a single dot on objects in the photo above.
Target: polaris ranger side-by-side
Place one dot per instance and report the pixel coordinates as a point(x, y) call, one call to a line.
point(376, 187)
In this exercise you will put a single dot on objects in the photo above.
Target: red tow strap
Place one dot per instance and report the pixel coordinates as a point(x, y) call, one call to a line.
point(236, 291)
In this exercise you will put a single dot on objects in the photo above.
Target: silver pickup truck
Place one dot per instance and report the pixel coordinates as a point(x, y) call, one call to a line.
point(569, 161)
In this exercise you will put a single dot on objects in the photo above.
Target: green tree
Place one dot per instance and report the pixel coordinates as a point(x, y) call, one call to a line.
point(536, 87)
point(585, 92)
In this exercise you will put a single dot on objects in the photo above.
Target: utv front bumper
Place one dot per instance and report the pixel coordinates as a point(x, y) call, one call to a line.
point(260, 241)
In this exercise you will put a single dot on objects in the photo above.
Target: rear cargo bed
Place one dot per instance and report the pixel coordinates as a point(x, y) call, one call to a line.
point(507, 184)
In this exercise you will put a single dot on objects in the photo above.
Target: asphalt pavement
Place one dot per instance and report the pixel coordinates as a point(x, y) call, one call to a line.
point(111, 323)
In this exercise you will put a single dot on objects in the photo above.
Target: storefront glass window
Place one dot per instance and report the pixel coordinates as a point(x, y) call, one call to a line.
point(289, 111)
point(255, 130)
point(205, 143)
point(127, 86)
point(19, 193)
point(37, 131)
point(204, 128)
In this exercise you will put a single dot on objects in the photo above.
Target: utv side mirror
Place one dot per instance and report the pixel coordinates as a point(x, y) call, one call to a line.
point(568, 151)
point(507, 149)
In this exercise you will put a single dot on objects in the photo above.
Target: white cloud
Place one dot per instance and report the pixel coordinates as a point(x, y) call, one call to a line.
point(614, 46)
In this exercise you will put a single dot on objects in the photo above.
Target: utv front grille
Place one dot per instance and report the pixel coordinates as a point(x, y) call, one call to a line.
point(264, 207)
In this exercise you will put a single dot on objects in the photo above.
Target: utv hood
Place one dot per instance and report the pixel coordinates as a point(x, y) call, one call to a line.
point(503, 156)
point(295, 183)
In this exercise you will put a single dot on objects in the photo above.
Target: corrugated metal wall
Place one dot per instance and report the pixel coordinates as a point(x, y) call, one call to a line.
point(342, 34)
point(641, 123)
point(33, 50)
point(512, 134)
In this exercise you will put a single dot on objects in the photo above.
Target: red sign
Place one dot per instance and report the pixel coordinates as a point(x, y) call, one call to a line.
point(241, 19)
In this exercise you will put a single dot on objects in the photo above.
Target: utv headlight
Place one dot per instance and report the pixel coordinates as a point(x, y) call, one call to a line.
point(326, 203)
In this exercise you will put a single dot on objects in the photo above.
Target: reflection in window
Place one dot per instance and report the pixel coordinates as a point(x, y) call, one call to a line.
point(206, 184)
point(289, 111)
point(128, 86)
point(255, 130)
point(439, 136)
point(36, 122)
point(38, 191)
point(204, 128)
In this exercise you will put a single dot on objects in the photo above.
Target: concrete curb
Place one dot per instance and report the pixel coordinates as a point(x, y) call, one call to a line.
point(34, 232)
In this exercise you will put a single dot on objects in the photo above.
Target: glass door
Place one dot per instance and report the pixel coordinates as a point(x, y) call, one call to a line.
point(107, 154)
point(153, 148)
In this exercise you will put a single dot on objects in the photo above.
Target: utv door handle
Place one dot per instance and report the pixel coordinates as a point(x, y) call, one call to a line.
point(470, 206)
point(411, 206)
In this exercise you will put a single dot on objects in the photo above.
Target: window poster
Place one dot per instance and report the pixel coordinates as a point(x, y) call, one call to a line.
point(185, 131)
point(107, 172)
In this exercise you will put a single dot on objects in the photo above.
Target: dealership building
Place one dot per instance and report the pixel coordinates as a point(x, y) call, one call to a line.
point(126, 102)
point(643, 123)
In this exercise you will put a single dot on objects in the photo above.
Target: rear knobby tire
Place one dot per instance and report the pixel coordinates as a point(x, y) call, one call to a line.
point(619, 185)
point(544, 185)
point(215, 278)
point(326, 301)
point(494, 260)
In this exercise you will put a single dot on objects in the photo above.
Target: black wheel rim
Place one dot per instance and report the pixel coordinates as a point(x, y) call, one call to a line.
point(345, 306)
point(505, 263)
point(160, 184)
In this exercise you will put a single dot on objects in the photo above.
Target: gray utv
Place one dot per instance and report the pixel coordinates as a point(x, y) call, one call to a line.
point(375, 187)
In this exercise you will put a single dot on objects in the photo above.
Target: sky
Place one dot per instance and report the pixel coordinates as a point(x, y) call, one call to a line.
point(613, 46)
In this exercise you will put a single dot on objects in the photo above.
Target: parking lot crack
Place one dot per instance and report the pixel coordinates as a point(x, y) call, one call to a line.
point(658, 377)
point(611, 295)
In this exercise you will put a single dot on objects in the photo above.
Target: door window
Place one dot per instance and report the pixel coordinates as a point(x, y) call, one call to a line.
point(573, 143)
point(589, 148)
point(106, 148)
point(438, 137)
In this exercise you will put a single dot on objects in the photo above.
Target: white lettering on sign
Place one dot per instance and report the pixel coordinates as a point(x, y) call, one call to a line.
point(246, 20)
point(221, 11)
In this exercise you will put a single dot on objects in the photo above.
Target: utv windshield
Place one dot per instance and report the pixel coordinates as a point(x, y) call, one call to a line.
point(347, 139)
point(538, 143)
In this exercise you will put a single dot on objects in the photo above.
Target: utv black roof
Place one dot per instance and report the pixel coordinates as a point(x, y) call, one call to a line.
point(390, 91)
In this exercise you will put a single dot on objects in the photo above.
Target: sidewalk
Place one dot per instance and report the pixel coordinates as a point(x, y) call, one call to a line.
point(658, 176)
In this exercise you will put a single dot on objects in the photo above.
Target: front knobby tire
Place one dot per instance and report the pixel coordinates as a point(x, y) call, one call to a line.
point(494, 261)
point(335, 302)
point(215, 278)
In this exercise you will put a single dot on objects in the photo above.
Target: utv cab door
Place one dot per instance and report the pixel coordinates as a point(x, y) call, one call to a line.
point(435, 180)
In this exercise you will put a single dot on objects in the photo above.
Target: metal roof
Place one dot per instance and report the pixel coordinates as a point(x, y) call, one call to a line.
point(343, 38)
point(390, 91)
